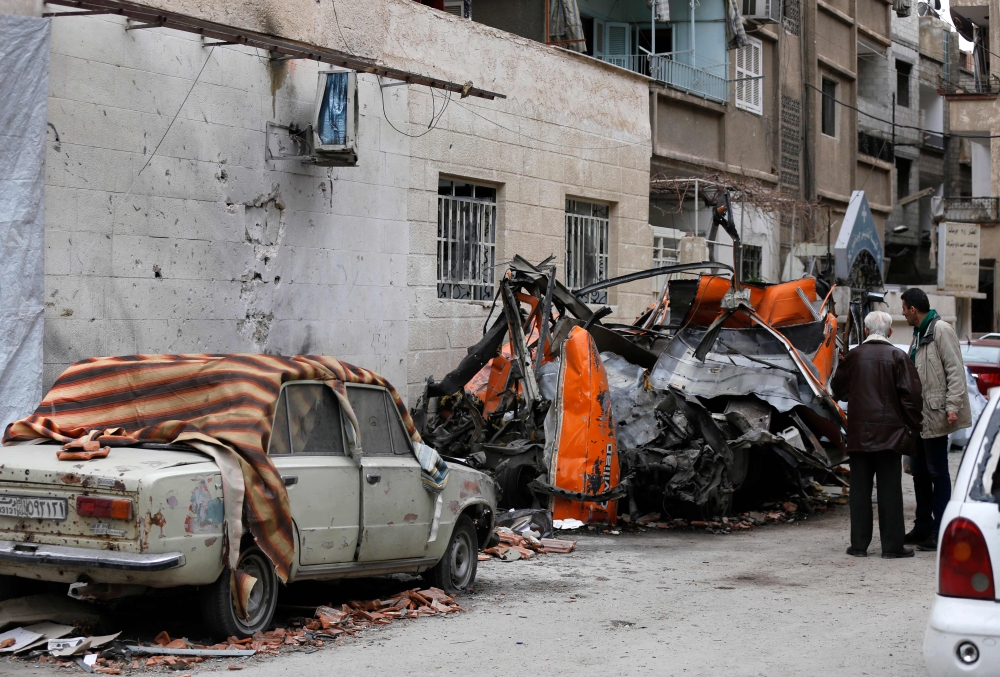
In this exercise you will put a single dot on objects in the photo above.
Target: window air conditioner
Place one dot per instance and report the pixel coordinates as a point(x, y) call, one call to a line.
point(762, 11)
point(335, 119)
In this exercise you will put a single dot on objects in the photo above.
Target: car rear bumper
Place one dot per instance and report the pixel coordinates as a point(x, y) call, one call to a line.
point(954, 621)
point(87, 558)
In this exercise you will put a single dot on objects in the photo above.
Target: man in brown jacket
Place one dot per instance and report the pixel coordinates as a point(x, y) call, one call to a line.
point(882, 391)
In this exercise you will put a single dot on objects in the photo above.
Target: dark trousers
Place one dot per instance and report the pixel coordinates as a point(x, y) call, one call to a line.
point(931, 482)
point(887, 466)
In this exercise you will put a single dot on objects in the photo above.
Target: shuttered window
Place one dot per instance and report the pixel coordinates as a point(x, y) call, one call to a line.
point(749, 68)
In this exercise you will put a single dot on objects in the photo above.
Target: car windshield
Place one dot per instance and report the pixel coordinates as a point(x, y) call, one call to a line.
point(974, 353)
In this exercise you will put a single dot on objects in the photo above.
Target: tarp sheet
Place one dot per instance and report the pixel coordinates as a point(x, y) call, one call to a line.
point(224, 402)
point(24, 84)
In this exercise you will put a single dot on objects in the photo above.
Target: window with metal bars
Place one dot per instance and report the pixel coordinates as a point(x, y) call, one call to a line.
point(466, 240)
point(587, 226)
point(750, 266)
point(749, 68)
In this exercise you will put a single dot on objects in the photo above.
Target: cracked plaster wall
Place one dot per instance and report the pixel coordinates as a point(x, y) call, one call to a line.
point(354, 246)
point(214, 248)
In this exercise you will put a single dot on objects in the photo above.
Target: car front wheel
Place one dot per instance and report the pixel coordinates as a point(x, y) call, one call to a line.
point(220, 612)
point(456, 572)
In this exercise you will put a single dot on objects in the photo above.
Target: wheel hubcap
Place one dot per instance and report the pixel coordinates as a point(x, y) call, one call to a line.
point(461, 561)
point(260, 595)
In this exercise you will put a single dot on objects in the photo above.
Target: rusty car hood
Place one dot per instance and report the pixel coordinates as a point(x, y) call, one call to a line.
point(122, 469)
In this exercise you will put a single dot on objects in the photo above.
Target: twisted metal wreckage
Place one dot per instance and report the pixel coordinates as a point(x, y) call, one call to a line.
point(719, 390)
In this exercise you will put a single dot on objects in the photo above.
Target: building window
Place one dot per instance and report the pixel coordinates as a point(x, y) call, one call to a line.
point(750, 267)
point(829, 108)
point(587, 226)
point(466, 240)
point(902, 178)
point(666, 251)
point(749, 68)
point(903, 83)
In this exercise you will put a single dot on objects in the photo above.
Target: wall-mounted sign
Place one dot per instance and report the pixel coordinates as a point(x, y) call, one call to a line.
point(858, 234)
point(958, 256)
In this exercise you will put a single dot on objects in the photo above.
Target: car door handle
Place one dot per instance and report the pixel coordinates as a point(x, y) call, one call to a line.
point(373, 478)
point(289, 480)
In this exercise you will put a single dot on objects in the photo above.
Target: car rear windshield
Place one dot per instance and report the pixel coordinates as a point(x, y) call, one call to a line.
point(971, 353)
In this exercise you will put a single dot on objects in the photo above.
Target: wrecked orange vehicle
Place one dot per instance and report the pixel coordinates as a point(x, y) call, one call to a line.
point(719, 391)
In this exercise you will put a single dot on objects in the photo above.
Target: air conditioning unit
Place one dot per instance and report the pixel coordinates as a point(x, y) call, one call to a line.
point(762, 11)
point(335, 119)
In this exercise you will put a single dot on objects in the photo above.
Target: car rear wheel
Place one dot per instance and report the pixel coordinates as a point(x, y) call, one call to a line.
point(456, 572)
point(220, 612)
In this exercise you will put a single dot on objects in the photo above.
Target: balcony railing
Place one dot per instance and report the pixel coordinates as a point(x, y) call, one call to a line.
point(934, 141)
point(969, 86)
point(665, 68)
point(972, 209)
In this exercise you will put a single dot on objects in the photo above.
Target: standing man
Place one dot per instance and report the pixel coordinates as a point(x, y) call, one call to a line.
point(938, 357)
point(882, 391)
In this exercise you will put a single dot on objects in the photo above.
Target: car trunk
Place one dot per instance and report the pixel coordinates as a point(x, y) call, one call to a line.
point(38, 492)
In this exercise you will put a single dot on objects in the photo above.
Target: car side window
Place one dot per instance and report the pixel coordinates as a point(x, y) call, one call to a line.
point(400, 440)
point(279, 431)
point(369, 407)
point(314, 423)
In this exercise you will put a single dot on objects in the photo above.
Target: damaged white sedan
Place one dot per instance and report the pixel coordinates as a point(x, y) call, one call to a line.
point(143, 513)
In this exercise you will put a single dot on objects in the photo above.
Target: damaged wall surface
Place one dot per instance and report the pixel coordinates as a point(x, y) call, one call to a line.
point(24, 62)
point(213, 247)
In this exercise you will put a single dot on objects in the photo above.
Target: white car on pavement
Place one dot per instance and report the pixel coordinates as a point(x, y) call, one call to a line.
point(963, 633)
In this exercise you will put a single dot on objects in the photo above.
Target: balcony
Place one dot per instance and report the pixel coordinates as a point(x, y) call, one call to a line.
point(972, 209)
point(966, 86)
point(667, 69)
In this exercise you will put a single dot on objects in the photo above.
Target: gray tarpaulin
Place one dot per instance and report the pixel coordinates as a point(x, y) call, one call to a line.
point(24, 84)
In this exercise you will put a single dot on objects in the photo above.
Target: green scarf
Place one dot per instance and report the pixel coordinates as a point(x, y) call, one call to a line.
point(918, 333)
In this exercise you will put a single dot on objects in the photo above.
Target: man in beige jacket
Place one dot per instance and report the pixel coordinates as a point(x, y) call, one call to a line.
point(936, 353)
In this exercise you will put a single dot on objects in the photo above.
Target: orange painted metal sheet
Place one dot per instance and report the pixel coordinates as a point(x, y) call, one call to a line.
point(587, 454)
point(779, 304)
point(826, 356)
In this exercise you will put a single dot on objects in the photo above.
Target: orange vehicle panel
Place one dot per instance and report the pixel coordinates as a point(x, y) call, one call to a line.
point(826, 356)
point(586, 459)
point(779, 304)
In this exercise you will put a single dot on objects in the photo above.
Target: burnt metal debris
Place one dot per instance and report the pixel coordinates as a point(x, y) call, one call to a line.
point(717, 394)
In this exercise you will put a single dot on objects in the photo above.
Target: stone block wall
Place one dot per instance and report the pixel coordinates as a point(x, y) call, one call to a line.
point(213, 248)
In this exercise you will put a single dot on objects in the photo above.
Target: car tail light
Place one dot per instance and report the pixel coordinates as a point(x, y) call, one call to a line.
point(987, 379)
point(966, 570)
point(115, 508)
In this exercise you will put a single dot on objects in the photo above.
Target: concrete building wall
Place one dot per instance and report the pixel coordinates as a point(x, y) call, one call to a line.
point(537, 150)
point(213, 248)
point(216, 249)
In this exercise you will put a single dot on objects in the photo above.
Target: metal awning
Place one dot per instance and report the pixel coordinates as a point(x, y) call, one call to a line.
point(150, 17)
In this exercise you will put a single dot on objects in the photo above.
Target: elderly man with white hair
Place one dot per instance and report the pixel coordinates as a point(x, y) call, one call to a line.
point(882, 390)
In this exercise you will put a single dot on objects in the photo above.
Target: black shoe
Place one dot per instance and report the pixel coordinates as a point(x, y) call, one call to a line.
point(854, 552)
point(915, 536)
point(928, 545)
point(905, 552)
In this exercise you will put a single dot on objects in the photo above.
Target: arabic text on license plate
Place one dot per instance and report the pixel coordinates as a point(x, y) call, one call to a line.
point(32, 507)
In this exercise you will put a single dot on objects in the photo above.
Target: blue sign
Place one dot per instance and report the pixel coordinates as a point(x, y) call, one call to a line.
point(857, 234)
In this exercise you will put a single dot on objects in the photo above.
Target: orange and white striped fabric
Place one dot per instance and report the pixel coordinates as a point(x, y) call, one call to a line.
point(226, 401)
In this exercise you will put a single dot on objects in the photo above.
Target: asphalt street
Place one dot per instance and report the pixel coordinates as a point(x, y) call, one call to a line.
point(778, 600)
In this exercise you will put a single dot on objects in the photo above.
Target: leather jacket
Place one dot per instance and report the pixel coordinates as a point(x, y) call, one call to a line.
point(883, 395)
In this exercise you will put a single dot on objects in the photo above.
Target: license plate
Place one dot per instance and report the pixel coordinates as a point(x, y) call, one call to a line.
point(33, 507)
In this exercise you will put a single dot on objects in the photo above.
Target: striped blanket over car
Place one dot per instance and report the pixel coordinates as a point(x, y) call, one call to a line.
point(220, 404)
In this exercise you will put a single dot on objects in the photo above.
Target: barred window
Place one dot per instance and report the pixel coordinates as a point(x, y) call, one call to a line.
point(466, 240)
point(587, 226)
point(750, 267)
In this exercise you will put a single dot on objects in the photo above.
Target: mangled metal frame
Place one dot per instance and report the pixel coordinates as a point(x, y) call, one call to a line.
point(694, 404)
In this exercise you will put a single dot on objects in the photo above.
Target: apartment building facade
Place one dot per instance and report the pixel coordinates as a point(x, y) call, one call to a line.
point(971, 91)
point(775, 115)
point(176, 219)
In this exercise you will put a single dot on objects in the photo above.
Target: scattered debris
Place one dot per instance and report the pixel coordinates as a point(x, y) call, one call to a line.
point(525, 545)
